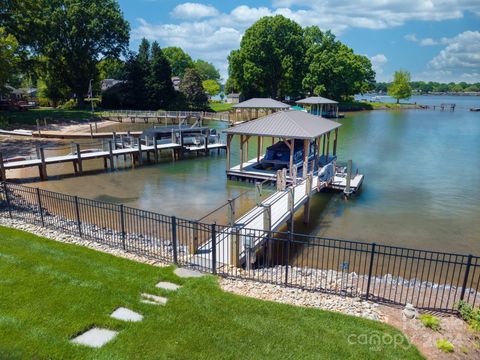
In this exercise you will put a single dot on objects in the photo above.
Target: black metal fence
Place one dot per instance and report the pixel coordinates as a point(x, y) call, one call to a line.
point(429, 280)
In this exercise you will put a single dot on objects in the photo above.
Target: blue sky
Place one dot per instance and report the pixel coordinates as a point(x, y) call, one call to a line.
point(437, 40)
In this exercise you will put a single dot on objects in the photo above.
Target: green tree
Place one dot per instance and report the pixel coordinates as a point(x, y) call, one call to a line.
point(400, 87)
point(159, 82)
point(192, 89)
point(211, 87)
point(270, 59)
point(206, 70)
point(9, 59)
point(73, 35)
point(111, 69)
point(137, 70)
point(178, 59)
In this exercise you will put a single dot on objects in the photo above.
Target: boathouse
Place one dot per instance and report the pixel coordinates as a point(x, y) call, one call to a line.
point(317, 105)
point(255, 107)
point(303, 140)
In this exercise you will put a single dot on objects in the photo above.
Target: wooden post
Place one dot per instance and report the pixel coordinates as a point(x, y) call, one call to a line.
point(3, 176)
point(79, 159)
point(306, 151)
point(241, 152)
point(328, 147)
point(259, 145)
point(229, 142)
point(91, 131)
point(110, 150)
point(38, 128)
point(308, 191)
point(231, 212)
point(235, 247)
point(155, 145)
point(96, 127)
point(140, 151)
point(194, 236)
point(335, 142)
point(317, 150)
point(43, 166)
point(114, 139)
point(349, 177)
point(292, 149)
point(267, 217)
point(207, 136)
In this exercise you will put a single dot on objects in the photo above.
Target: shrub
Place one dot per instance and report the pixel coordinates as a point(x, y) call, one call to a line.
point(69, 105)
point(4, 122)
point(445, 345)
point(44, 102)
point(430, 321)
point(470, 314)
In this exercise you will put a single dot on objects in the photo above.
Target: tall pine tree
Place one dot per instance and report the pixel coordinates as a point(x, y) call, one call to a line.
point(161, 93)
point(192, 89)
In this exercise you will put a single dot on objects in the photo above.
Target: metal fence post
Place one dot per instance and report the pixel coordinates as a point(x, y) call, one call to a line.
point(465, 279)
point(174, 239)
point(287, 258)
point(40, 207)
point(7, 199)
point(122, 225)
point(370, 269)
point(77, 211)
point(214, 248)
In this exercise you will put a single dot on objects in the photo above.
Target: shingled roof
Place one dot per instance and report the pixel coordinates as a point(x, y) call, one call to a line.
point(261, 103)
point(291, 124)
point(316, 100)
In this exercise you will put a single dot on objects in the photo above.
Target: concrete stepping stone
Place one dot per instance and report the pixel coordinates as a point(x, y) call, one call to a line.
point(168, 286)
point(187, 273)
point(95, 337)
point(125, 314)
point(153, 299)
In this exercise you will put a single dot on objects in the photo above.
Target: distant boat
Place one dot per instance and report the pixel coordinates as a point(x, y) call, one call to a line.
point(475, 109)
point(375, 98)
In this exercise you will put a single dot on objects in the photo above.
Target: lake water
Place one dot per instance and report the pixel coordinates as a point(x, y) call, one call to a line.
point(421, 189)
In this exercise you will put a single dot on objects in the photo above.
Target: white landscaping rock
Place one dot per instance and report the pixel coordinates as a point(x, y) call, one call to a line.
point(153, 299)
point(95, 337)
point(187, 273)
point(125, 314)
point(409, 312)
point(168, 286)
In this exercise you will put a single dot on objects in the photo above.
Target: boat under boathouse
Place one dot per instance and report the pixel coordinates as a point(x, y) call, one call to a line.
point(301, 144)
point(317, 105)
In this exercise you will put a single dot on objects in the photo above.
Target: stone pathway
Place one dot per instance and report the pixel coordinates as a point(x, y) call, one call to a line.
point(187, 273)
point(125, 314)
point(97, 337)
point(168, 286)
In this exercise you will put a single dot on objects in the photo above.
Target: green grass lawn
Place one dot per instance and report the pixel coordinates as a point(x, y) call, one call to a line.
point(218, 107)
point(28, 119)
point(49, 292)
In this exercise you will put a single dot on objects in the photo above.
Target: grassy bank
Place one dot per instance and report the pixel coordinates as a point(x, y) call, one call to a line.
point(49, 292)
point(28, 119)
point(219, 107)
point(367, 105)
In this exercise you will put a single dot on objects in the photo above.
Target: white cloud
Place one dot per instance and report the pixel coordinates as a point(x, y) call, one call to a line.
point(205, 32)
point(193, 11)
point(462, 52)
point(378, 61)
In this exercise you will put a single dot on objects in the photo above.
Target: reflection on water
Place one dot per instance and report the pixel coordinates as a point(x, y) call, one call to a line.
point(421, 187)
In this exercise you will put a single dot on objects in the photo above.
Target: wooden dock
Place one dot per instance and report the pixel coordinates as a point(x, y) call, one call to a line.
point(163, 117)
point(232, 247)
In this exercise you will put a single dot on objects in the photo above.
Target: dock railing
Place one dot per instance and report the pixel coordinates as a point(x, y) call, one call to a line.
point(430, 280)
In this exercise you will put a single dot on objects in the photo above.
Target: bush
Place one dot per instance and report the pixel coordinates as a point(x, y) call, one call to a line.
point(430, 321)
point(470, 314)
point(44, 102)
point(69, 105)
point(4, 122)
point(445, 345)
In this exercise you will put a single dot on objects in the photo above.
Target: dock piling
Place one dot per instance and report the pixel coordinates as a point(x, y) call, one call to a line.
point(79, 159)
point(43, 166)
point(110, 150)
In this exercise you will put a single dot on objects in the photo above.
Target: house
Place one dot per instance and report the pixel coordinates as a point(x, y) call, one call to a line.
point(233, 98)
point(108, 83)
point(176, 82)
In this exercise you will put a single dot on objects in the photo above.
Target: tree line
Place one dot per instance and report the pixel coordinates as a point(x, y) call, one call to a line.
point(433, 87)
point(60, 46)
point(278, 58)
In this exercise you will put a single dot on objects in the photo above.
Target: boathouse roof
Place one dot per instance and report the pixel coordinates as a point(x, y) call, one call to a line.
point(314, 100)
point(290, 124)
point(261, 103)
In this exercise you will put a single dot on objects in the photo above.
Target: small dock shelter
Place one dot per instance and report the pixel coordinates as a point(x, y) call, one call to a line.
point(299, 145)
point(317, 105)
point(255, 107)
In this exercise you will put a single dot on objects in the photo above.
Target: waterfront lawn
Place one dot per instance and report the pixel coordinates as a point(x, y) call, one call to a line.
point(219, 107)
point(50, 292)
point(28, 119)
